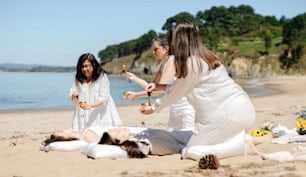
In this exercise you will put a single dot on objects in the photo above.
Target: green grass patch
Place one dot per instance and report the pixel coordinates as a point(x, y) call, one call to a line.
point(248, 47)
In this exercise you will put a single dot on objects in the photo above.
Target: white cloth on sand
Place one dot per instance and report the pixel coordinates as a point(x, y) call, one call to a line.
point(287, 136)
point(295, 154)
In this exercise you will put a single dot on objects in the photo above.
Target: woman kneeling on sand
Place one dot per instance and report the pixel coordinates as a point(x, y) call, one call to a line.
point(223, 110)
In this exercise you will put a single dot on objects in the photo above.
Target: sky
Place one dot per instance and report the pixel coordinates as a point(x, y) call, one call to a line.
point(57, 32)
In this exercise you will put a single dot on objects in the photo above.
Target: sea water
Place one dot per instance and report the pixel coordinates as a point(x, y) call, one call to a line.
point(34, 90)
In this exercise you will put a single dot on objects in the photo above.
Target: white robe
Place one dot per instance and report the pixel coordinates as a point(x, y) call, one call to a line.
point(105, 115)
point(181, 114)
point(222, 107)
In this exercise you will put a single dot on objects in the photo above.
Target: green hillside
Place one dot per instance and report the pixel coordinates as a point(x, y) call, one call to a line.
point(252, 49)
point(250, 44)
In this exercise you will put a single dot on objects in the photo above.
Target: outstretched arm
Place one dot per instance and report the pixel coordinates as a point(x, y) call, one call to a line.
point(134, 78)
point(132, 96)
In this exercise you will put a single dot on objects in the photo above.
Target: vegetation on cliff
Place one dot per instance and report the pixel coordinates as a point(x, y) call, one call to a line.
point(250, 44)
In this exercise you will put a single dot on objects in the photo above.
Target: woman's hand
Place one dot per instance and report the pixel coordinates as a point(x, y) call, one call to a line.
point(85, 106)
point(146, 110)
point(150, 87)
point(74, 96)
point(82, 105)
point(75, 93)
point(128, 75)
point(131, 96)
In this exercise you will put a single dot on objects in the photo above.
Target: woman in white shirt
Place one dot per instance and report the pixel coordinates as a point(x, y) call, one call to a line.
point(91, 96)
point(181, 116)
point(223, 111)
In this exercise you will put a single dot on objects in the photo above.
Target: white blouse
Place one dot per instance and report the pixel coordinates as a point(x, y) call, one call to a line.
point(105, 115)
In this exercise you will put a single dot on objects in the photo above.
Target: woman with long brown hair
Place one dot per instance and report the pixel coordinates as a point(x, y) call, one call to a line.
point(223, 110)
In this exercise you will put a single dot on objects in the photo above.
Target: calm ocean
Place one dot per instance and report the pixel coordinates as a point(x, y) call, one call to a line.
point(50, 90)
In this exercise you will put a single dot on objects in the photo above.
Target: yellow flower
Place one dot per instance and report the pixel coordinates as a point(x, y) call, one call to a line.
point(298, 124)
point(260, 132)
point(304, 123)
point(300, 119)
point(256, 133)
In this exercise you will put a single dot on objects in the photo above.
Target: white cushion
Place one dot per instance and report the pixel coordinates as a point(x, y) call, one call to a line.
point(97, 151)
point(64, 146)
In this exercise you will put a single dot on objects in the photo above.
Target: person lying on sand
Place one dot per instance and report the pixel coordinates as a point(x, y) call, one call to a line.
point(137, 142)
point(159, 142)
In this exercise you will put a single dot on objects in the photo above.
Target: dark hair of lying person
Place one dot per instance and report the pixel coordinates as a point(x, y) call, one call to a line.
point(131, 147)
point(55, 138)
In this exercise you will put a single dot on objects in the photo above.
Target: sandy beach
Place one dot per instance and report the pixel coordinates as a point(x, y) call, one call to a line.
point(22, 131)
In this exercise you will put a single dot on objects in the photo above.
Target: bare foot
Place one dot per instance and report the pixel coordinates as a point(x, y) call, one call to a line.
point(251, 149)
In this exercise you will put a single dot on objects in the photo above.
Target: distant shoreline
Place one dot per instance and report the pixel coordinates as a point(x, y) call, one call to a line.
point(12, 67)
point(55, 109)
point(1, 71)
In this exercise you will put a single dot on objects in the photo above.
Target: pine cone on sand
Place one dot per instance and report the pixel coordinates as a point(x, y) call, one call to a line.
point(209, 162)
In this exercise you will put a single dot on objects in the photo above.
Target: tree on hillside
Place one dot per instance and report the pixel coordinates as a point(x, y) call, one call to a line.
point(282, 20)
point(126, 48)
point(143, 43)
point(213, 30)
point(271, 20)
point(108, 53)
point(137, 46)
point(266, 33)
point(294, 36)
point(228, 22)
point(183, 16)
point(268, 41)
